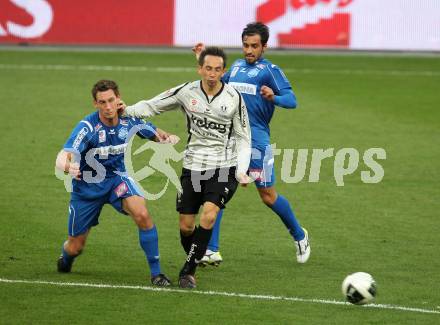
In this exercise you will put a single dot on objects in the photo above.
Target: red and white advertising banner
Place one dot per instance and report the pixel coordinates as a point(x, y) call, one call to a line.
point(114, 22)
point(351, 24)
point(346, 24)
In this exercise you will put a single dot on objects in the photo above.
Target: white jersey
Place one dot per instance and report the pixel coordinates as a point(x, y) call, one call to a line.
point(218, 127)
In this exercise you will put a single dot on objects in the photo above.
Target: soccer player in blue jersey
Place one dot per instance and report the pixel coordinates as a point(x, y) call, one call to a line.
point(263, 86)
point(94, 157)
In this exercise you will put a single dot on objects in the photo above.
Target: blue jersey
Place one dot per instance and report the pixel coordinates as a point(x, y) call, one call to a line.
point(100, 152)
point(248, 80)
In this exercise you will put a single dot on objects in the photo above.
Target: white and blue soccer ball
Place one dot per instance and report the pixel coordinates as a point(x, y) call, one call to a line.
point(359, 288)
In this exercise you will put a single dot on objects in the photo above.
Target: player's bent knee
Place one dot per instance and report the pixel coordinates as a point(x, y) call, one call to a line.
point(207, 223)
point(207, 219)
point(143, 219)
point(267, 197)
point(187, 224)
point(186, 229)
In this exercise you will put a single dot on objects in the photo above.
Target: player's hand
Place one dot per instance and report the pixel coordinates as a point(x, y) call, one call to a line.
point(244, 179)
point(267, 93)
point(121, 107)
point(165, 137)
point(197, 49)
point(170, 138)
point(74, 170)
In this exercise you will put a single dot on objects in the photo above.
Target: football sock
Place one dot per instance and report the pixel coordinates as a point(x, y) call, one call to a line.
point(197, 251)
point(68, 259)
point(186, 241)
point(282, 208)
point(149, 242)
point(214, 241)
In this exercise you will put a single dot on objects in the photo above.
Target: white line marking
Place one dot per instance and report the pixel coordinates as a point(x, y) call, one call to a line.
point(67, 67)
point(221, 293)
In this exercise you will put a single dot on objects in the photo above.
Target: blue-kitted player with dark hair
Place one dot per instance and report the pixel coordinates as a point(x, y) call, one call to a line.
point(263, 86)
point(94, 156)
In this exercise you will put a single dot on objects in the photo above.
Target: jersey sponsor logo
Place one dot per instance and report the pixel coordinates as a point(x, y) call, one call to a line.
point(101, 135)
point(194, 106)
point(110, 150)
point(210, 125)
point(253, 73)
point(112, 131)
point(80, 137)
point(245, 88)
point(122, 134)
point(121, 189)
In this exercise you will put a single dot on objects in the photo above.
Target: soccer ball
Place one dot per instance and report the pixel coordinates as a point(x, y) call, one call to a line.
point(359, 288)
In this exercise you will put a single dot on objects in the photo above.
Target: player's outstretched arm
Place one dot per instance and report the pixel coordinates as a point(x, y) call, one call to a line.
point(163, 102)
point(165, 137)
point(64, 163)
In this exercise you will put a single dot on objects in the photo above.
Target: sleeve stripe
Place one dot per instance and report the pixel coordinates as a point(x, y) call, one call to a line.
point(274, 78)
point(239, 104)
point(88, 124)
point(175, 92)
point(230, 130)
point(188, 126)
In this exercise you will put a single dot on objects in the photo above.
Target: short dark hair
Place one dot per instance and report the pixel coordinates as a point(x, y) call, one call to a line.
point(256, 28)
point(104, 85)
point(214, 51)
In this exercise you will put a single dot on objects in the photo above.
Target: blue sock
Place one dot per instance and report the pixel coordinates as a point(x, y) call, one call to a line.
point(68, 259)
point(282, 208)
point(214, 241)
point(149, 242)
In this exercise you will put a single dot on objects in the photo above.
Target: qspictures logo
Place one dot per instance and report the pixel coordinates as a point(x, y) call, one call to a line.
point(311, 23)
point(305, 167)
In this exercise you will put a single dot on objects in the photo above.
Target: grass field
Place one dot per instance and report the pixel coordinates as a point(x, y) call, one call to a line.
point(389, 229)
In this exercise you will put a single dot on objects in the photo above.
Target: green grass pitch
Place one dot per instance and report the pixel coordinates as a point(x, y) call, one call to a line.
point(389, 229)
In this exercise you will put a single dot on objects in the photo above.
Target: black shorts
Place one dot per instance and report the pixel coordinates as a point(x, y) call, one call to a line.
point(215, 185)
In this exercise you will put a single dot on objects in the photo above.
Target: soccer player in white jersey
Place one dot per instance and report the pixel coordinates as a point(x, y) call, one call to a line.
point(94, 156)
point(263, 86)
point(217, 155)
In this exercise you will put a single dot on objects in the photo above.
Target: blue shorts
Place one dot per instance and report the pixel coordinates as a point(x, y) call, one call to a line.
point(261, 167)
point(84, 213)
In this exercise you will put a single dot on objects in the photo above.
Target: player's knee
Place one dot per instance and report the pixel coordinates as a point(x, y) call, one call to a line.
point(143, 219)
point(207, 219)
point(186, 231)
point(186, 227)
point(268, 198)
